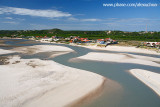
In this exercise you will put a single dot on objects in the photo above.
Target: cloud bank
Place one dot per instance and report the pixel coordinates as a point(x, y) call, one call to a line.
point(83, 20)
point(33, 12)
point(90, 20)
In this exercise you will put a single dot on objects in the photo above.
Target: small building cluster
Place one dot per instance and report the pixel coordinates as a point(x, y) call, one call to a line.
point(48, 39)
point(74, 39)
point(106, 41)
point(71, 39)
point(152, 44)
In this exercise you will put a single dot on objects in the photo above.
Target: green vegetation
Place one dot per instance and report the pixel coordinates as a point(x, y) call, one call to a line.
point(118, 35)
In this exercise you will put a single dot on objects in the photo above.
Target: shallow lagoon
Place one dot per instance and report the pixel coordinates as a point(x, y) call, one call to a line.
point(130, 92)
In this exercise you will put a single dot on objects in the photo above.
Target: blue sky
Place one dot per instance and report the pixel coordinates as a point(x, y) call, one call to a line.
point(78, 15)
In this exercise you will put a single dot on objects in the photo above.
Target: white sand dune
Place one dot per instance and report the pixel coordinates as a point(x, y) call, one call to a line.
point(120, 58)
point(149, 78)
point(35, 82)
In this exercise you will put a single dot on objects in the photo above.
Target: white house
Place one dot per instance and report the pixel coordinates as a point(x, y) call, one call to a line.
point(152, 43)
point(46, 40)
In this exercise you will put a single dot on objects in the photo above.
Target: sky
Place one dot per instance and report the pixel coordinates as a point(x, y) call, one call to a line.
point(125, 15)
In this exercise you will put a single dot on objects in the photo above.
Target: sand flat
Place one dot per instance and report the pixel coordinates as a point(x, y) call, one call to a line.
point(124, 49)
point(120, 58)
point(35, 82)
point(36, 49)
point(41, 48)
point(149, 78)
point(3, 51)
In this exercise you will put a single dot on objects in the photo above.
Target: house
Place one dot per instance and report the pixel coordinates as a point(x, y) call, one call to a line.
point(109, 32)
point(31, 37)
point(158, 44)
point(107, 41)
point(46, 39)
point(75, 39)
point(71, 37)
point(101, 41)
point(114, 41)
point(79, 40)
point(152, 44)
point(56, 38)
point(85, 40)
point(67, 38)
point(53, 37)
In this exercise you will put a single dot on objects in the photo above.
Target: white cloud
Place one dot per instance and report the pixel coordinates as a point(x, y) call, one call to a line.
point(110, 23)
point(33, 12)
point(127, 20)
point(10, 22)
point(19, 19)
point(79, 14)
point(83, 20)
point(72, 19)
point(8, 18)
point(90, 20)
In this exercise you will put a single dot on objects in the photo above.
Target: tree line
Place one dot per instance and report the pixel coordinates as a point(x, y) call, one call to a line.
point(118, 35)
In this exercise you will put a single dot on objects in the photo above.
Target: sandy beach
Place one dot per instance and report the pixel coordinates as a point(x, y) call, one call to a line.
point(41, 48)
point(123, 49)
point(36, 49)
point(3, 51)
point(35, 82)
point(149, 78)
point(120, 58)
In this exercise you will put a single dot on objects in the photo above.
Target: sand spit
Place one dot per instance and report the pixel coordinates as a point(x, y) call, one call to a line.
point(3, 51)
point(124, 49)
point(41, 48)
point(149, 78)
point(37, 49)
point(120, 58)
point(148, 58)
point(35, 82)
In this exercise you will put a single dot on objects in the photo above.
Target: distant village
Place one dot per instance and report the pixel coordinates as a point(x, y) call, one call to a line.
point(74, 39)
point(78, 40)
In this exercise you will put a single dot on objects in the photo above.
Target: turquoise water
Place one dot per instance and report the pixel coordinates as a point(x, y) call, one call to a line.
point(133, 93)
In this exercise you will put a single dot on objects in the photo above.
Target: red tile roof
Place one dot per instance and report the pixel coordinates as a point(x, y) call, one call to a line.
point(100, 39)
